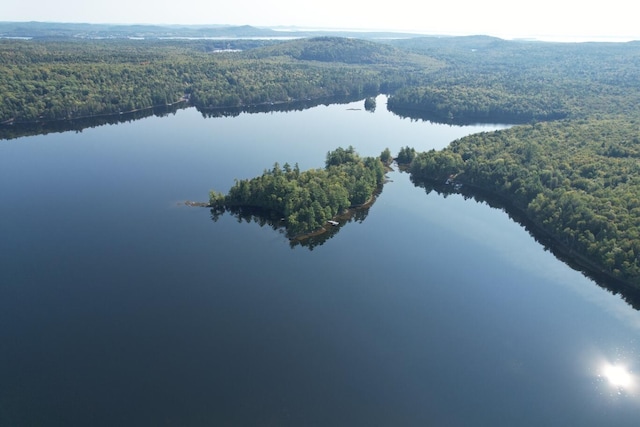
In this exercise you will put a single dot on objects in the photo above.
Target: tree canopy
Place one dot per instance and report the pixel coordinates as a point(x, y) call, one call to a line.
point(570, 165)
point(68, 79)
point(577, 180)
point(307, 200)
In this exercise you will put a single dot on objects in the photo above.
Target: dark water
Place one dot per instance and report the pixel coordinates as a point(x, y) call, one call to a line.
point(121, 307)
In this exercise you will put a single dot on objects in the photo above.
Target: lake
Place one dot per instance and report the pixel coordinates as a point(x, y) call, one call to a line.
point(121, 306)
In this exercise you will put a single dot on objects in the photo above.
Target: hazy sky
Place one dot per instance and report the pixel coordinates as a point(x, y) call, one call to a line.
point(502, 18)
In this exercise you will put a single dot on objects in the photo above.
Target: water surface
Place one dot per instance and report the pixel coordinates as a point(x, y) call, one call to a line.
point(120, 306)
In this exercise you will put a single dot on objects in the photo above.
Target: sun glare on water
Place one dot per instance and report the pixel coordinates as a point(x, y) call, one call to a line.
point(618, 376)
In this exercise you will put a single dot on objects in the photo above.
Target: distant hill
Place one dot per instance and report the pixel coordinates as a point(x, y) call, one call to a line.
point(43, 30)
point(342, 50)
point(88, 31)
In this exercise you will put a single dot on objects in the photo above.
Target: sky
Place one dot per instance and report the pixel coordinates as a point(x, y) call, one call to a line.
point(542, 19)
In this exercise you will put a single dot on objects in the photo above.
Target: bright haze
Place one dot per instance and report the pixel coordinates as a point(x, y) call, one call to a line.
point(614, 20)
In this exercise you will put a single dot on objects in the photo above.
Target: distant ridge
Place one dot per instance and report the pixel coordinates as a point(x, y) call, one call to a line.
point(88, 31)
point(43, 30)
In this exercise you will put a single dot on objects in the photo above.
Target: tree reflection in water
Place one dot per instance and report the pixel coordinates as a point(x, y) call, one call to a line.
point(277, 223)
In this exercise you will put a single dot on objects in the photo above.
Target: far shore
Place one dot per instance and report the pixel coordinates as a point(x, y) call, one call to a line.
point(12, 121)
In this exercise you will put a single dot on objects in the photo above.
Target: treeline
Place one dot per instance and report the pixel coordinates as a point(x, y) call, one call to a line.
point(462, 104)
point(348, 51)
point(489, 79)
point(578, 180)
point(458, 79)
point(66, 80)
point(306, 200)
point(50, 80)
point(237, 83)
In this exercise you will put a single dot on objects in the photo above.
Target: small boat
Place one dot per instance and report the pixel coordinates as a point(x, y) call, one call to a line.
point(334, 223)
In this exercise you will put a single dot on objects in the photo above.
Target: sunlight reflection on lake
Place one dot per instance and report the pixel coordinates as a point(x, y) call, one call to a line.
point(618, 376)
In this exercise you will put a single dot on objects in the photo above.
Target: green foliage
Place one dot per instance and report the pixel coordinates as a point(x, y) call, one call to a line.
point(406, 155)
point(460, 103)
point(342, 156)
point(453, 79)
point(307, 200)
point(577, 180)
point(488, 79)
point(345, 50)
point(51, 80)
point(439, 165)
point(385, 157)
point(370, 104)
point(216, 200)
point(63, 80)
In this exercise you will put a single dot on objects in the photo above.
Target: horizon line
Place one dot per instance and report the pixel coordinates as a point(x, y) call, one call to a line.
point(560, 38)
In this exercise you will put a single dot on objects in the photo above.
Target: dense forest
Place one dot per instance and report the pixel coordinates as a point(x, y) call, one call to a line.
point(307, 200)
point(570, 165)
point(67, 79)
point(577, 180)
point(492, 80)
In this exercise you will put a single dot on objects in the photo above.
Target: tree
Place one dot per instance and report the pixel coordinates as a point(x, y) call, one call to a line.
point(385, 157)
point(370, 104)
point(406, 155)
point(307, 200)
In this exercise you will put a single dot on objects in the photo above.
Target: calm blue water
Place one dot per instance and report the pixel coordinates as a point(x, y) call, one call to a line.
point(121, 307)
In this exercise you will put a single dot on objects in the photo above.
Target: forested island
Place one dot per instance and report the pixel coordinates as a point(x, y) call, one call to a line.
point(308, 201)
point(570, 165)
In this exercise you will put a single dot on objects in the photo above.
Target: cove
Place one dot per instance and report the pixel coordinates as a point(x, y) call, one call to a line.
point(119, 305)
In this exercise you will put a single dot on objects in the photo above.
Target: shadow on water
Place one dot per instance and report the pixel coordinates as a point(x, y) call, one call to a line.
point(617, 287)
point(445, 117)
point(277, 223)
point(279, 107)
point(44, 127)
